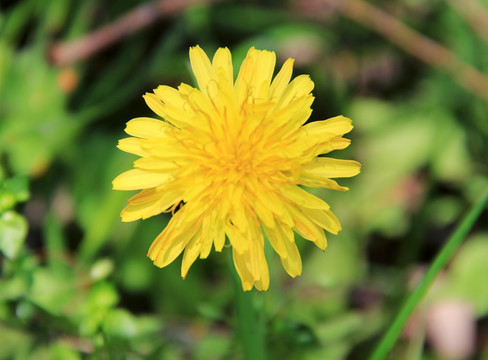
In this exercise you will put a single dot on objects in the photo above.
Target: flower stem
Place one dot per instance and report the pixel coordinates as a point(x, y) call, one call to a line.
point(250, 324)
point(438, 264)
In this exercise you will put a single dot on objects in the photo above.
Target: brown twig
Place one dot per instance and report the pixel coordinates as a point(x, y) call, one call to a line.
point(414, 43)
point(475, 14)
point(67, 53)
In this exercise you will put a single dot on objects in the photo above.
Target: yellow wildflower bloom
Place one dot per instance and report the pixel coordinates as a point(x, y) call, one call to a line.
point(234, 153)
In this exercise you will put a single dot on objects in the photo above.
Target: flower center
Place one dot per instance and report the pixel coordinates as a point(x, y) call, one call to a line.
point(236, 162)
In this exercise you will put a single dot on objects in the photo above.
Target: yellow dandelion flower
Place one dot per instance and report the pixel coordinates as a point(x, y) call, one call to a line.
point(234, 154)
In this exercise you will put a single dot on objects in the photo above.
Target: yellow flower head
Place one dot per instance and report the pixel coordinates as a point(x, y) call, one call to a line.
point(234, 154)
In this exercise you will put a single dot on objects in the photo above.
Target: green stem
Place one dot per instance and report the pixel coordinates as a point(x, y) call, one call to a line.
point(438, 264)
point(250, 324)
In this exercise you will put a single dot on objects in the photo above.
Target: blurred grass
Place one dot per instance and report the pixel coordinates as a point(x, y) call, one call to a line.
point(74, 280)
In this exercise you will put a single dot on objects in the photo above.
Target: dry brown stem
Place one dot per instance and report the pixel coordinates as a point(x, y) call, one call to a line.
point(414, 43)
point(66, 53)
point(475, 14)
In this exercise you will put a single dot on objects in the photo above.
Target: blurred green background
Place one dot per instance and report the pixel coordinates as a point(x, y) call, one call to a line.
point(75, 282)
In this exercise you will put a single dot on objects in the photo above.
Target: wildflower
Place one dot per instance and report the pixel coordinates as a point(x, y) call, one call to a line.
point(233, 155)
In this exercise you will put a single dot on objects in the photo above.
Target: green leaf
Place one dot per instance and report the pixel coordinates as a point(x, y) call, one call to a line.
point(338, 267)
point(12, 191)
point(25, 310)
point(13, 288)
point(36, 124)
point(340, 328)
point(103, 295)
point(52, 289)
point(102, 298)
point(467, 274)
point(135, 273)
point(101, 269)
point(6, 57)
point(7, 201)
point(14, 343)
point(212, 347)
point(60, 352)
point(119, 323)
point(18, 186)
point(13, 230)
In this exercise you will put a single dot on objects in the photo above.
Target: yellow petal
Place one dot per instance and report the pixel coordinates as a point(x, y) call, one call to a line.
point(201, 66)
point(255, 75)
point(191, 253)
point(263, 283)
point(251, 265)
point(165, 198)
point(303, 198)
point(300, 86)
point(177, 116)
point(170, 96)
point(241, 86)
point(264, 67)
point(141, 206)
point(256, 250)
point(336, 143)
point(236, 238)
point(324, 218)
point(154, 104)
point(275, 204)
point(207, 235)
point(282, 239)
point(307, 228)
point(263, 212)
point(174, 238)
point(224, 99)
point(275, 239)
point(136, 212)
point(169, 249)
point(147, 203)
point(239, 217)
point(144, 127)
point(218, 235)
point(292, 263)
point(267, 196)
point(280, 82)
point(291, 117)
point(155, 163)
point(137, 179)
point(203, 108)
point(338, 125)
point(332, 168)
point(222, 61)
point(247, 279)
point(132, 146)
point(185, 89)
point(194, 191)
point(311, 180)
point(145, 196)
point(167, 151)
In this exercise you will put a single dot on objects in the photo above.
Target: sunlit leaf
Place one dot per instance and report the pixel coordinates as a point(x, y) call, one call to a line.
point(13, 229)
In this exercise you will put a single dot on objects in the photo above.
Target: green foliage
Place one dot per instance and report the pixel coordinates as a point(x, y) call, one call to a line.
point(36, 126)
point(466, 273)
point(13, 226)
point(75, 282)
